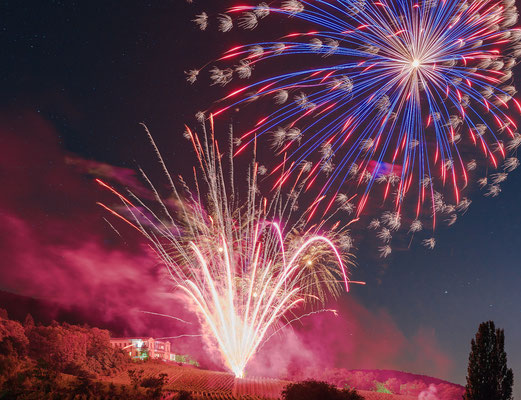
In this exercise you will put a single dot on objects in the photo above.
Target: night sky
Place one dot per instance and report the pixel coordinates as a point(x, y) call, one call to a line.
point(77, 78)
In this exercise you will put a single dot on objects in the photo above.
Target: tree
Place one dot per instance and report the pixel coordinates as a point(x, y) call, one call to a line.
point(488, 377)
point(13, 341)
point(28, 322)
point(316, 390)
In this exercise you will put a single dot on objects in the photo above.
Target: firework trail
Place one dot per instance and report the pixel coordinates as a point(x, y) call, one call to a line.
point(242, 269)
point(400, 104)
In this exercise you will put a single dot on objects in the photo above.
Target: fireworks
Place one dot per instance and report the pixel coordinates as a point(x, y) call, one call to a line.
point(394, 100)
point(243, 270)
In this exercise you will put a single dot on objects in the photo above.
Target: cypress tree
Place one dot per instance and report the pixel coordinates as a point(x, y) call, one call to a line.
point(488, 377)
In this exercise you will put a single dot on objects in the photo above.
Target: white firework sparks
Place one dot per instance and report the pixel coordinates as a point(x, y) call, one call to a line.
point(384, 235)
point(416, 226)
point(429, 243)
point(201, 21)
point(243, 274)
point(385, 251)
point(225, 23)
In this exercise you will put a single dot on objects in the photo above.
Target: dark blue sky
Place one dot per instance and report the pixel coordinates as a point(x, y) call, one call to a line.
point(95, 71)
point(471, 276)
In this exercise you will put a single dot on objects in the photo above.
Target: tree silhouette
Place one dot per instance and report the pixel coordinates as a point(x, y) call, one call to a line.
point(488, 377)
point(29, 321)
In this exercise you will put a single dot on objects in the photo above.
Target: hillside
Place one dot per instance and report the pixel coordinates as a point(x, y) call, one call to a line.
point(383, 375)
point(397, 382)
point(60, 358)
point(205, 384)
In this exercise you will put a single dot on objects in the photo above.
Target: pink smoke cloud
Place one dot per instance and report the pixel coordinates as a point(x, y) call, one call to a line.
point(355, 339)
point(54, 241)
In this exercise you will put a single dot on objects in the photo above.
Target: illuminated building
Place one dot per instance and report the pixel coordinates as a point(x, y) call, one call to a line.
point(144, 348)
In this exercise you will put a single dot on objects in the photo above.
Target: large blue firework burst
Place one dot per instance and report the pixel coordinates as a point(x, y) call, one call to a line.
point(405, 101)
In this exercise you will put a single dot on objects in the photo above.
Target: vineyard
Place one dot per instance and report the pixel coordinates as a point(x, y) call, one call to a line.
point(206, 385)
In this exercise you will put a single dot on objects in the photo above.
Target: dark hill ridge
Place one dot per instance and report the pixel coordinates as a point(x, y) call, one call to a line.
point(45, 311)
point(18, 306)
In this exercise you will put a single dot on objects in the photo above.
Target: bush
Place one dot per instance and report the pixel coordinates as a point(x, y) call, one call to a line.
point(86, 386)
point(136, 376)
point(183, 395)
point(153, 382)
point(316, 390)
point(14, 376)
point(154, 385)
